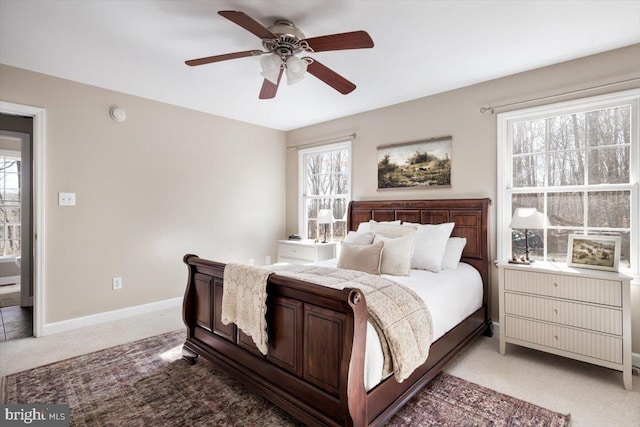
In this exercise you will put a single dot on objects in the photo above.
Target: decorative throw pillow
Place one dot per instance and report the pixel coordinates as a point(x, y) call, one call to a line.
point(357, 238)
point(365, 226)
point(396, 255)
point(361, 257)
point(431, 242)
point(391, 230)
point(453, 253)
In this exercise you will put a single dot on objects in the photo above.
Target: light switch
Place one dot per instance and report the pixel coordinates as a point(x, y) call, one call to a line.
point(66, 199)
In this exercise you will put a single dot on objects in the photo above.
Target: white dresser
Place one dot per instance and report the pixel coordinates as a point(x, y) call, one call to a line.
point(305, 251)
point(572, 312)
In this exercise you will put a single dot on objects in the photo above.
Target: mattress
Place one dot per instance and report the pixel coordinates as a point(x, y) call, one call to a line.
point(451, 295)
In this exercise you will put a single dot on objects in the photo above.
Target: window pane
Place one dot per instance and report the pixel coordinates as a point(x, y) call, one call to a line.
point(566, 132)
point(13, 247)
point(566, 168)
point(529, 136)
point(13, 232)
point(11, 197)
point(528, 171)
point(611, 126)
point(610, 209)
point(609, 165)
point(527, 200)
point(534, 239)
point(557, 243)
point(312, 229)
point(565, 209)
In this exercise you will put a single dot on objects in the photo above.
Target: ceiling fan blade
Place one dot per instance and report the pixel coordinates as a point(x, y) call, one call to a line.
point(352, 40)
point(269, 90)
point(218, 58)
point(330, 77)
point(248, 23)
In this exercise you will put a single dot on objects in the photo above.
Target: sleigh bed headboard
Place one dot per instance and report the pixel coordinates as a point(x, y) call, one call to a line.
point(470, 217)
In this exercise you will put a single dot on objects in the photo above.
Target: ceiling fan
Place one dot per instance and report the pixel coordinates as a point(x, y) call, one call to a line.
point(281, 42)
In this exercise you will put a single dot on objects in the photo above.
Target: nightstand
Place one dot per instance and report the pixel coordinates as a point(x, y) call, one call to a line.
point(305, 251)
point(577, 313)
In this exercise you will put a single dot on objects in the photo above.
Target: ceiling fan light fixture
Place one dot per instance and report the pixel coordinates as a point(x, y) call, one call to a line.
point(271, 65)
point(296, 69)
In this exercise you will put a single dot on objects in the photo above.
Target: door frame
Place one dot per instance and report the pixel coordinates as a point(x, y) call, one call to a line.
point(38, 115)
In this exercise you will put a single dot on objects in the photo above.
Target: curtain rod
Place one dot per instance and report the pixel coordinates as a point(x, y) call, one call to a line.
point(492, 109)
point(323, 141)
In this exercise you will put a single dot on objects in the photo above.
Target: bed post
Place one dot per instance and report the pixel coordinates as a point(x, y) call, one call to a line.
point(188, 307)
point(355, 393)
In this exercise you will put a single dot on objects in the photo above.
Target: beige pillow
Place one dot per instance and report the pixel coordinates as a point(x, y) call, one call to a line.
point(356, 238)
point(364, 227)
point(361, 257)
point(391, 230)
point(396, 255)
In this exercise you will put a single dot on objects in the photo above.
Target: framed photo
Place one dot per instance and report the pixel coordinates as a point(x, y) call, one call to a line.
point(597, 252)
point(418, 164)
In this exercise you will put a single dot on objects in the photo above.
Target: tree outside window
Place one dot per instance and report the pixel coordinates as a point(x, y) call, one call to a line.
point(10, 216)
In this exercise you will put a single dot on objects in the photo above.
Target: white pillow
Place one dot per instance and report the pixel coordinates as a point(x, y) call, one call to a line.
point(357, 238)
point(431, 242)
point(453, 253)
point(365, 226)
point(396, 255)
point(361, 257)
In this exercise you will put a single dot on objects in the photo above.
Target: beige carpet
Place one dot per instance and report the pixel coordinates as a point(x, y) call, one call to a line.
point(146, 383)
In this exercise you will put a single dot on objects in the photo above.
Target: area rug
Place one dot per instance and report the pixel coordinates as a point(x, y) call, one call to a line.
point(146, 383)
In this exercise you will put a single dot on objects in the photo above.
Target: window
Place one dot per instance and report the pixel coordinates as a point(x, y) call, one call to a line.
point(578, 163)
point(10, 203)
point(325, 183)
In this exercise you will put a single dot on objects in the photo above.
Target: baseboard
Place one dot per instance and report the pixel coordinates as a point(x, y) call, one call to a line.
point(108, 316)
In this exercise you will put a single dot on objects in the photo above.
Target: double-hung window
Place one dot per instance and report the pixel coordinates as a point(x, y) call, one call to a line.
point(10, 233)
point(324, 185)
point(577, 163)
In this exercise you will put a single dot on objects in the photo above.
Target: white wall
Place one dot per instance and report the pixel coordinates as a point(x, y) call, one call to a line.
point(166, 182)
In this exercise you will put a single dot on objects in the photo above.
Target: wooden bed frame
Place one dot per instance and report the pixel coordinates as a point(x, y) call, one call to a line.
point(314, 368)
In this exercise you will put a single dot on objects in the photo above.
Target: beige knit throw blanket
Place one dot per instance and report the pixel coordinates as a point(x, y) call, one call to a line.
point(244, 301)
point(400, 317)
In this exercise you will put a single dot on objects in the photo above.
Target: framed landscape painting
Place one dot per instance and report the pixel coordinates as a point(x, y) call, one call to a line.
point(597, 252)
point(418, 164)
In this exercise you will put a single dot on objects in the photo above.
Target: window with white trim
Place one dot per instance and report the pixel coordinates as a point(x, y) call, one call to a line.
point(10, 188)
point(578, 163)
point(324, 183)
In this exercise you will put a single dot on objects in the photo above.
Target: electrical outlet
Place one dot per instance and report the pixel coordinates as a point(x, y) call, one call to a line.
point(66, 199)
point(116, 283)
point(267, 260)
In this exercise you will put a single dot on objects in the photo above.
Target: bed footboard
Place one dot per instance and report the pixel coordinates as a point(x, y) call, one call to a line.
point(310, 370)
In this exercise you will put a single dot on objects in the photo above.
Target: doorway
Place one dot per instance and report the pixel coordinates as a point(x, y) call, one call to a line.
point(16, 229)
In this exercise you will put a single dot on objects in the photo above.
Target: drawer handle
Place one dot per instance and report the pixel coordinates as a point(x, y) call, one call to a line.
point(555, 310)
point(555, 284)
point(556, 337)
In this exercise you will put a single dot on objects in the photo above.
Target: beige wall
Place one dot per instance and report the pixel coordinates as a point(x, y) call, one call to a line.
point(165, 182)
point(456, 113)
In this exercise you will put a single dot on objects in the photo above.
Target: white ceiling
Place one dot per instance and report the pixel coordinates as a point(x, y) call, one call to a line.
point(421, 48)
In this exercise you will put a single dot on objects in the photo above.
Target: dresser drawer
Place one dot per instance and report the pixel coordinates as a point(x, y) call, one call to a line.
point(594, 318)
point(297, 252)
point(581, 342)
point(600, 291)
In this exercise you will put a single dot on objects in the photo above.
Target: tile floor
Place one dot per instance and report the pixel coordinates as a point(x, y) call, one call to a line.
point(16, 322)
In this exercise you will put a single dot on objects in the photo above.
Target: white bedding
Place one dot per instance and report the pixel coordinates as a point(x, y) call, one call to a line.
point(451, 295)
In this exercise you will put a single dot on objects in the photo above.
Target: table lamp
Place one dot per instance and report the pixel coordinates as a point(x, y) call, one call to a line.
point(325, 216)
point(527, 218)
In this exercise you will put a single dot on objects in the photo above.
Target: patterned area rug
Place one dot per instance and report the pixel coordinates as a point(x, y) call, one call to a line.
point(146, 383)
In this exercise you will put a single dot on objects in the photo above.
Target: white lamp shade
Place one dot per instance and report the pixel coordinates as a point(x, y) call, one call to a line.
point(325, 216)
point(271, 65)
point(296, 68)
point(527, 218)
